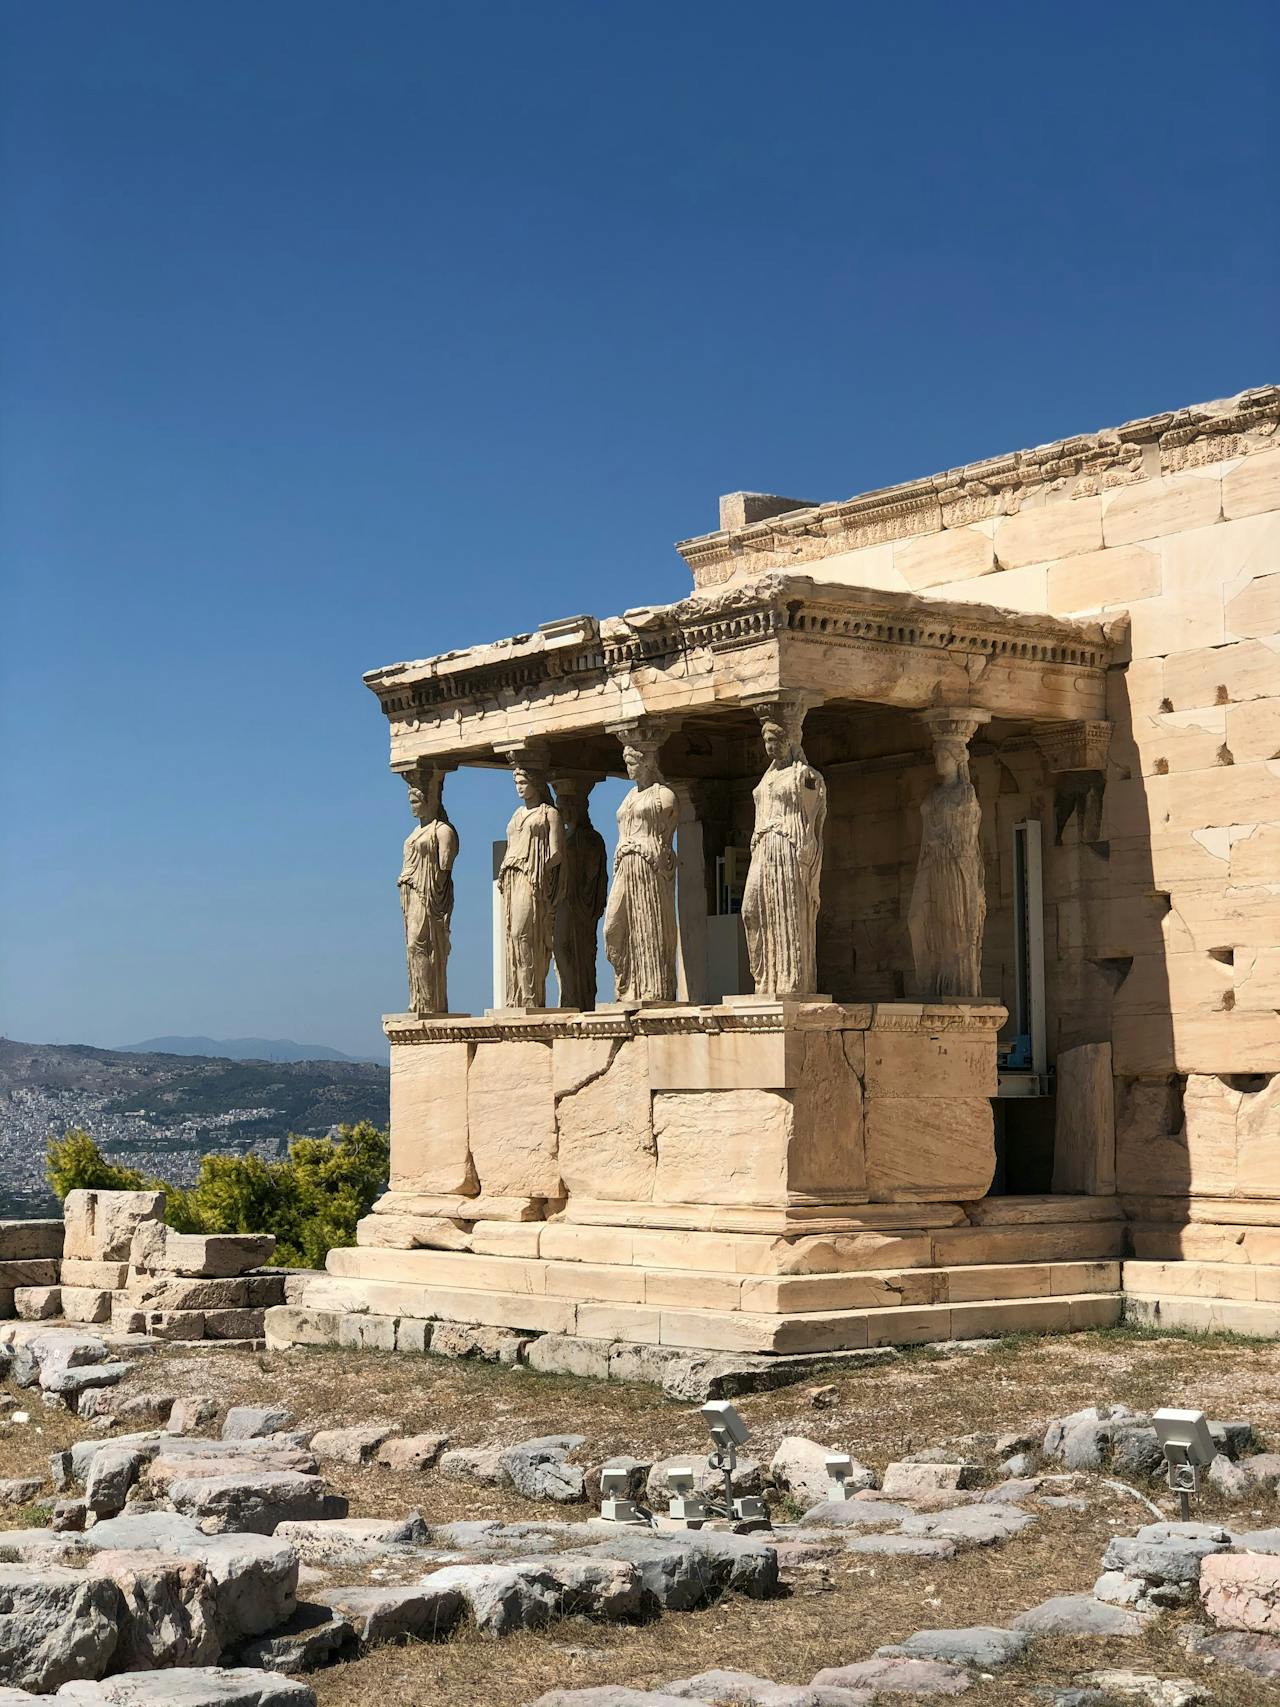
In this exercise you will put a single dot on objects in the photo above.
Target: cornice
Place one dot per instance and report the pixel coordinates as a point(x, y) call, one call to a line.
point(770, 607)
point(1087, 462)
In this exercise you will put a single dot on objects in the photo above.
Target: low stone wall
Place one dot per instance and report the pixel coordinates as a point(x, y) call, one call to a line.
point(112, 1260)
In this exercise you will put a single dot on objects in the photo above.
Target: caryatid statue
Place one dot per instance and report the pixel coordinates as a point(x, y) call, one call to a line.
point(583, 887)
point(781, 896)
point(640, 922)
point(426, 891)
point(528, 880)
point(948, 900)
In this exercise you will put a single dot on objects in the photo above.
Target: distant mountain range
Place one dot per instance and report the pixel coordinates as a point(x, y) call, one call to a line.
point(239, 1049)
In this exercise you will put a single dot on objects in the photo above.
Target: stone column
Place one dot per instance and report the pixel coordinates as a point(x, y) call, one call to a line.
point(640, 922)
point(426, 890)
point(948, 906)
point(691, 898)
point(582, 891)
point(782, 894)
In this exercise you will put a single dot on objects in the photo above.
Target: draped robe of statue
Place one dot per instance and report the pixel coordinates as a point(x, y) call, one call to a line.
point(426, 900)
point(584, 874)
point(640, 924)
point(780, 898)
point(948, 901)
point(528, 879)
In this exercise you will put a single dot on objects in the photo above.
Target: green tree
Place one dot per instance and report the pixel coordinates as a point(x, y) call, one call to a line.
point(311, 1202)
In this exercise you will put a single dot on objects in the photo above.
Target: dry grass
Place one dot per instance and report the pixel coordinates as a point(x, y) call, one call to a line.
point(833, 1615)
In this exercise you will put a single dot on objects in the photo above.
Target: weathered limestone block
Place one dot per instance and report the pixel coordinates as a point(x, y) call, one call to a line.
point(1038, 535)
point(725, 1060)
point(413, 1232)
point(84, 1272)
point(929, 1064)
point(20, 1240)
point(200, 1256)
point(1253, 486)
point(1241, 1591)
point(86, 1304)
point(956, 554)
point(826, 1158)
point(511, 1117)
point(603, 1118)
point(1171, 504)
point(430, 1151)
point(55, 1625)
point(722, 1146)
point(926, 1149)
point(169, 1610)
point(1084, 1139)
point(100, 1224)
point(1098, 578)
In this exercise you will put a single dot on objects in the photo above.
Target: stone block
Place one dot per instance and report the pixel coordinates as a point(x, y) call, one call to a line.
point(171, 1293)
point(82, 1272)
point(1241, 1591)
point(55, 1625)
point(1022, 589)
point(1096, 579)
point(1253, 486)
point(289, 1325)
point(955, 554)
point(430, 1149)
point(202, 1256)
point(37, 1303)
point(748, 1133)
point(511, 1118)
point(368, 1333)
point(725, 1061)
point(1175, 503)
point(1049, 531)
point(1221, 675)
point(178, 1325)
point(100, 1225)
point(1252, 731)
point(412, 1334)
point(20, 1240)
point(923, 1064)
point(603, 1120)
point(1254, 611)
point(925, 1148)
point(562, 1354)
point(413, 1232)
point(826, 1157)
point(86, 1304)
point(1084, 1138)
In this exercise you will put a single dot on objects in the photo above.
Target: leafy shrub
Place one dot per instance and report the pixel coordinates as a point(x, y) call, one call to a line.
point(311, 1202)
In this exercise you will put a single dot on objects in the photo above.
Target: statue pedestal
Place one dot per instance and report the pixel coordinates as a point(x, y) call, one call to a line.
point(765, 1176)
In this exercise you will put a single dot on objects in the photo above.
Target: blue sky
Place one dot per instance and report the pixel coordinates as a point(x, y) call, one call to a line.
point(343, 333)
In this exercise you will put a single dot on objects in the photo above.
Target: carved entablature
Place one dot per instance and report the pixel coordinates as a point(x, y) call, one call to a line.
point(718, 651)
point(1074, 467)
point(1074, 746)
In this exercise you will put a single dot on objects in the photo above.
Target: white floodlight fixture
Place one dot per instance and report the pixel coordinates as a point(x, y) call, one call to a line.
point(686, 1507)
point(727, 1428)
point(616, 1505)
point(1188, 1448)
point(750, 1508)
point(839, 1468)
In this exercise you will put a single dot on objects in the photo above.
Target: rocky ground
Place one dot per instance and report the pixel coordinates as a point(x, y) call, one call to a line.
point(977, 1537)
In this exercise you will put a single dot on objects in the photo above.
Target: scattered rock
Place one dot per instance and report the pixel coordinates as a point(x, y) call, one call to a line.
point(113, 1472)
point(1079, 1615)
point(982, 1645)
point(799, 1468)
point(903, 1546)
point(1144, 1686)
point(353, 1540)
point(252, 1503)
point(315, 1636)
point(68, 1517)
point(1020, 1464)
point(168, 1610)
point(1262, 1469)
point(686, 1568)
point(55, 1625)
point(539, 1469)
point(411, 1452)
point(192, 1413)
point(475, 1464)
point(896, 1677)
point(855, 1514)
point(1231, 1480)
point(37, 1303)
point(251, 1422)
point(1260, 1654)
point(979, 1525)
point(199, 1686)
point(394, 1614)
point(20, 1490)
point(823, 1398)
point(908, 1480)
point(350, 1445)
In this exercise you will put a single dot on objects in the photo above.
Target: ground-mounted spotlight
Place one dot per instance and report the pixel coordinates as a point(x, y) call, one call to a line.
point(729, 1432)
point(1188, 1449)
point(839, 1468)
point(686, 1507)
point(616, 1505)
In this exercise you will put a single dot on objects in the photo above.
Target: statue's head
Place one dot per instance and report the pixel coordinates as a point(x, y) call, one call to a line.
point(951, 755)
point(780, 728)
point(641, 759)
point(530, 786)
point(425, 789)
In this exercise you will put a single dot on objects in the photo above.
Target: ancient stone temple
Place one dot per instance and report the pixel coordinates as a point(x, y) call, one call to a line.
point(944, 918)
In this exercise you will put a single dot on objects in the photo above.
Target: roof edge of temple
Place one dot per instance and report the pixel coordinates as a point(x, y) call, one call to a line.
point(1082, 464)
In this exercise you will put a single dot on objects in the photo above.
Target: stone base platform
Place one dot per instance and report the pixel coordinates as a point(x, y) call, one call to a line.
point(997, 1266)
point(1208, 1297)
